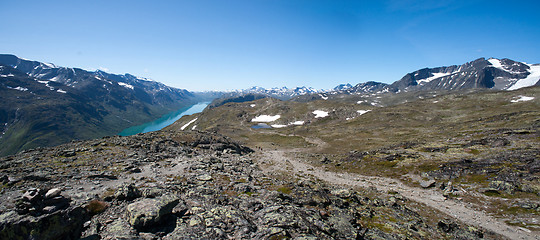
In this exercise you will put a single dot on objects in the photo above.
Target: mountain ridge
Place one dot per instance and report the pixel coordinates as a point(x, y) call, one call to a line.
point(492, 73)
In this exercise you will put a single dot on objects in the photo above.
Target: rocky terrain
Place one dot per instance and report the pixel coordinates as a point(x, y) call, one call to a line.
point(185, 185)
point(465, 153)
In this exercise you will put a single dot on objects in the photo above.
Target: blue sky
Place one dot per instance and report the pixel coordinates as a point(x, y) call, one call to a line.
point(220, 45)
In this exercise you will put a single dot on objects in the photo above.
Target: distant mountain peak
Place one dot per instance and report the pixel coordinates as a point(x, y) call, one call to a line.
point(277, 92)
point(341, 87)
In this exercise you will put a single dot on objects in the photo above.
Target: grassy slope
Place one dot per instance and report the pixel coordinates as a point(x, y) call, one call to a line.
point(423, 120)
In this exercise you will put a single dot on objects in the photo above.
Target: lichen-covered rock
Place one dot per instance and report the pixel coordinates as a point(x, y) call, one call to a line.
point(148, 212)
point(118, 229)
point(503, 186)
point(127, 191)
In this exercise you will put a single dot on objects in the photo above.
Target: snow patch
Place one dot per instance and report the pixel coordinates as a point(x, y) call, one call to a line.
point(61, 91)
point(320, 113)
point(55, 79)
point(323, 97)
point(435, 76)
point(530, 80)
point(496, 63)
point(125, 85)
point(46, 84)
point(9, 75)
point(22, 89)
point(363, 111)
point(298, 123)
point(266, 118)
point(522, 99)
point(187, 124)
point(49, 65)
point(252, 105)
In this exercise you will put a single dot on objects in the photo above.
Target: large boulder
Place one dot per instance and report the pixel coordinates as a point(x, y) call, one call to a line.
point(148, 212)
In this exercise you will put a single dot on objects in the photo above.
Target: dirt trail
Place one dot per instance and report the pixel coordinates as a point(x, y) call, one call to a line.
point(429, 197)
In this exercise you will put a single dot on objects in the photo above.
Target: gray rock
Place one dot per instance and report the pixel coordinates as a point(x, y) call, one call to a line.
point(427, 184)
point(54, 192)
point(32, 194)
point(148, 212)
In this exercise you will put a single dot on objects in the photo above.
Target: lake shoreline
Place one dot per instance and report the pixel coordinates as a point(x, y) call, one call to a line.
point(165, 120)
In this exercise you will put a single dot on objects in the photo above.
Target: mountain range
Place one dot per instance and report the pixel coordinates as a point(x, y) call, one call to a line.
point(50, 105)
point(492, 73)
point(46, 105)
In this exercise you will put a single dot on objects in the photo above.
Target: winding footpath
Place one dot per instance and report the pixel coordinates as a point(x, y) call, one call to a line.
point(429, 197)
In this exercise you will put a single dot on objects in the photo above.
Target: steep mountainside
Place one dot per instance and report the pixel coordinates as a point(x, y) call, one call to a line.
point(45, 105)
point(500, 74)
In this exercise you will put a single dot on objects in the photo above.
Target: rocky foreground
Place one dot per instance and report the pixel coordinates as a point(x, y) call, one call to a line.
point(194, 185)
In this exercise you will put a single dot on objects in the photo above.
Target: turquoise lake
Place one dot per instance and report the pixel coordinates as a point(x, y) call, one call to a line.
point(164, 121)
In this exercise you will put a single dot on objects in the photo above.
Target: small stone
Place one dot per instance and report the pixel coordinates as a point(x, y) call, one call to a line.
point(54, 192)
point(50, 209)
point(31, 194)
point(204, 177)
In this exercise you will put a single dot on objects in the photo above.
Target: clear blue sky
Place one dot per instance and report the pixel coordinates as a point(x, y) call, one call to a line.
point(218, 44)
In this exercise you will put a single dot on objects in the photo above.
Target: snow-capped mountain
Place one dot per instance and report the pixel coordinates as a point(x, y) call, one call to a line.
point(367, 87)
point(143, 89)
point(280, 93)
point(343, 87)
point(500, 74)
point(46, 105)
